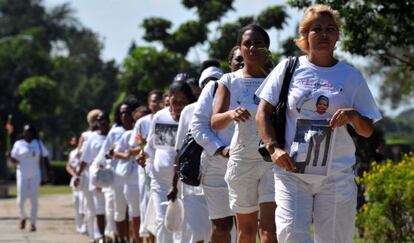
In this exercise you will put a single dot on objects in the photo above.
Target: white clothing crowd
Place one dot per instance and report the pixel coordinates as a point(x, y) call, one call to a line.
point(237, 184)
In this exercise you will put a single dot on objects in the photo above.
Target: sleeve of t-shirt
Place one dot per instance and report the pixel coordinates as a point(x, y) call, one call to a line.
point(132, 142)
point(16, 151)
point(122, 144)
point(269, 90)
point(226, 80)
point(364, 102)
point(86, 154)
point(149, 147)
point(182, 128)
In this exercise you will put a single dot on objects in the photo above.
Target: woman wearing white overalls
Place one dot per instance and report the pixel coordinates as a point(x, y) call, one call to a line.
point(26, 152)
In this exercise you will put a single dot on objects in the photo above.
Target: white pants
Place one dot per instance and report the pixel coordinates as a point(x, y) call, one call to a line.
point(250, 184)
point(77, 200)
point(28, 188)
point(93, 231)
point(144, 194)
point(331, 202)
point(126, 197)
point(159, 195)
point(110, 227)
point(196, 226)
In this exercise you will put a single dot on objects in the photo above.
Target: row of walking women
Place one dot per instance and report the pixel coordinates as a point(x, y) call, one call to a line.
point(309, 180)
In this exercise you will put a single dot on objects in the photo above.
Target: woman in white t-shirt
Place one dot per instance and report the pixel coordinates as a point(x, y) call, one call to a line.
point(72, 166)
point(26, 152)
point(138, 140)
point(249, 177)
point(314, 180)
point(160, 147)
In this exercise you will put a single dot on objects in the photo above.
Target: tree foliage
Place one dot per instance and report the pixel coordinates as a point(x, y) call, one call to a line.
point(37, 100)
point(50, 69)
point(146, 68)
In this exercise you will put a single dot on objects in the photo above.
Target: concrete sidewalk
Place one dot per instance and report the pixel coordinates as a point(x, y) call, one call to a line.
point(54, 224)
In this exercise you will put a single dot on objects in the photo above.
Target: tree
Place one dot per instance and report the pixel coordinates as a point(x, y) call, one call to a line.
point(381, 30)
point(40, 47)
point(36, 99)
point(146, 69)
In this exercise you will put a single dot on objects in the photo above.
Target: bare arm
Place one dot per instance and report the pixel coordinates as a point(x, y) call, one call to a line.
point(122, 155)
point(268, 135)
point(363, 125)
point(222, 116)
point(172, 194)
point(70, 169)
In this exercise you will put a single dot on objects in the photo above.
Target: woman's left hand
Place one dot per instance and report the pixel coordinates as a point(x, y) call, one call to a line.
point(342, 117)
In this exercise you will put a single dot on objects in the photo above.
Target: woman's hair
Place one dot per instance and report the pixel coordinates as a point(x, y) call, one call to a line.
point(117, 115)
point(156, 92)
point(306, 22)
point(231, 53)
point(183, 88)
point(91, 117)
point(253, 27)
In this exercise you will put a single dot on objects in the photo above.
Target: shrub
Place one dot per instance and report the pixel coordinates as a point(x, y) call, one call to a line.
point(388, 215)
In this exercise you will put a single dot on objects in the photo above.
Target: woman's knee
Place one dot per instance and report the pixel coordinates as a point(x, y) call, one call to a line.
point(223, 225)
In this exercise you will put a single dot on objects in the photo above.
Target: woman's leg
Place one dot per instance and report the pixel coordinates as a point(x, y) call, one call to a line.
point(221, 229)
point(34, 192)
point(22, 194)
point(246, 227)
point(267, 227)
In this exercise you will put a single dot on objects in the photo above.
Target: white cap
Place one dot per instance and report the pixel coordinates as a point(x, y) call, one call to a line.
point(210, 72)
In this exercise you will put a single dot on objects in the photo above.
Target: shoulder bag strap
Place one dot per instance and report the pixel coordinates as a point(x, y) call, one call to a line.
point(290, 69)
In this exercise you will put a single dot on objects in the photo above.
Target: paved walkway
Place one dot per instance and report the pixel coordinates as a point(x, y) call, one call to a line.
point(55, 222)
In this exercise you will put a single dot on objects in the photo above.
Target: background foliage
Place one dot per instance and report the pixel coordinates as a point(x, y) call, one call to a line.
point(388, 214)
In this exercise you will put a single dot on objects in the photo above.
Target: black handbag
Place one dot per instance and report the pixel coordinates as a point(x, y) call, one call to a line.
point(189, 161)
point(278, 116)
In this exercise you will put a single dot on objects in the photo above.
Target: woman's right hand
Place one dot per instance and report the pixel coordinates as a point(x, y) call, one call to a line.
point(172, 194)
point(240, 114)
point(282, 159)
point(141, 158)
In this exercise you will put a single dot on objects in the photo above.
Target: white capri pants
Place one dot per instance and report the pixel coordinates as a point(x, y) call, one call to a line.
point(250, 184)
point(214, 186)
point(331, 202)
point(99, 202)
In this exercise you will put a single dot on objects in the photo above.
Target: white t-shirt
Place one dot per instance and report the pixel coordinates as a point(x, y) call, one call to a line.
point(183, 127)
point(160, 146)
point(128, 169)
point(113, 136)
point(142, 127)
point(73, 159)
point(308, 139)
point(90, 151)
point(245, 140)
point(28, 155)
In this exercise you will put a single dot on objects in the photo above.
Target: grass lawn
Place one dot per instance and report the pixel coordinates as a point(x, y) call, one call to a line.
point(46, 190)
